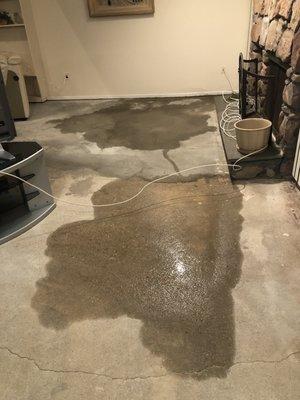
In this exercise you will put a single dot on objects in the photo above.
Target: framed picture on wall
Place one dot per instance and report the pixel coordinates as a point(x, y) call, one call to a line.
point(106, 8)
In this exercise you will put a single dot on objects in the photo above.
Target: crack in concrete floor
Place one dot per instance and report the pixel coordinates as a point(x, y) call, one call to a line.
point(260, 305)
point(128, 378)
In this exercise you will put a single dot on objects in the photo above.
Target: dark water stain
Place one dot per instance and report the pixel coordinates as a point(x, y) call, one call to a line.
point(167, 157)
point(143, 124)
point(170, 259)
point(58, 389)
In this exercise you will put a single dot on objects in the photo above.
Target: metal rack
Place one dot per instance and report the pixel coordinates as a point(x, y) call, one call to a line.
point(21, 207)
point(248, 71)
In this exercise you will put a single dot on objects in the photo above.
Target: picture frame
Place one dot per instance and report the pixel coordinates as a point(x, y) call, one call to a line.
point(108, 8)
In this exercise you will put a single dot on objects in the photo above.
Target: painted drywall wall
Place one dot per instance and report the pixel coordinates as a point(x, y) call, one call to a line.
point(180, 50)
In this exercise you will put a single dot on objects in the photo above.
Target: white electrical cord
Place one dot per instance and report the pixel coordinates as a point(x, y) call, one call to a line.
point(235, 166)
point(228, 79)
point(249, 155)
point(251, 14)
point(229, 116)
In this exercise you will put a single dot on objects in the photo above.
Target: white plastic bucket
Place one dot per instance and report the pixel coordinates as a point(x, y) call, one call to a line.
point(252, 134)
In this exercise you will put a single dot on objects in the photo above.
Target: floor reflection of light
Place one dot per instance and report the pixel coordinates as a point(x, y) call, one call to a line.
point(180, 268)
point(177, 257)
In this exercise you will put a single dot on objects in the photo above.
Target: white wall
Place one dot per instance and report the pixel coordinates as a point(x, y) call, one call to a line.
point(179, 50)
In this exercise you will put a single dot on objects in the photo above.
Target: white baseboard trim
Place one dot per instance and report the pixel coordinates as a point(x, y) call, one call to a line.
point(139, 96)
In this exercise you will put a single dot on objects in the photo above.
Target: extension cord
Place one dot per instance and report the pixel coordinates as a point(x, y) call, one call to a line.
point(226, 118)
point(235, 167)
point(231, 115)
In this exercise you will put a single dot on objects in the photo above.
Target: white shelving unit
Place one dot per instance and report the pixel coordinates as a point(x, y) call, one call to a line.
point(22, 39)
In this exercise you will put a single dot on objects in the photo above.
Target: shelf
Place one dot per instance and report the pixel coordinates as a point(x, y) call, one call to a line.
point(21, 210)
point(23, 40)
point(12, 26)
point(16, 224)
point(5, 186)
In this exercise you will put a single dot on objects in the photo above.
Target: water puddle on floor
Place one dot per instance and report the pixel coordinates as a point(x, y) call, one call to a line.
point(170, 259)
point(143, 124)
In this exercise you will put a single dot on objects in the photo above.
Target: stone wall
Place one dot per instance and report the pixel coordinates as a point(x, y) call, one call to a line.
point(276, 31)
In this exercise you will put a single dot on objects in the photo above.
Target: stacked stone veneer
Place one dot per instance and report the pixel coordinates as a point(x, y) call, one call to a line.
point(276, 31)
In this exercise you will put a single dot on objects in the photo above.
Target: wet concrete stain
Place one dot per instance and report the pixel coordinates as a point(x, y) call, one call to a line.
point(170, 259)
point(167, 157)
point(80, 188)
point(58, 389)
point(143, 124)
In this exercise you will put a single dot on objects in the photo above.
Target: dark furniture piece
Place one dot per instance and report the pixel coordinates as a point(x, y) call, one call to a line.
point(21, 206)
point(7, 126)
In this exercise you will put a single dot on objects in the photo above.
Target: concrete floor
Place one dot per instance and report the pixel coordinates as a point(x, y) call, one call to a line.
point(189, 292)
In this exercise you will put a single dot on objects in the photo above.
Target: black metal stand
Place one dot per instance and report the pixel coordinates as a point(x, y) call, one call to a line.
point(7, 125)
point(244, 75)
point(21, 206)
point(5, 155)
